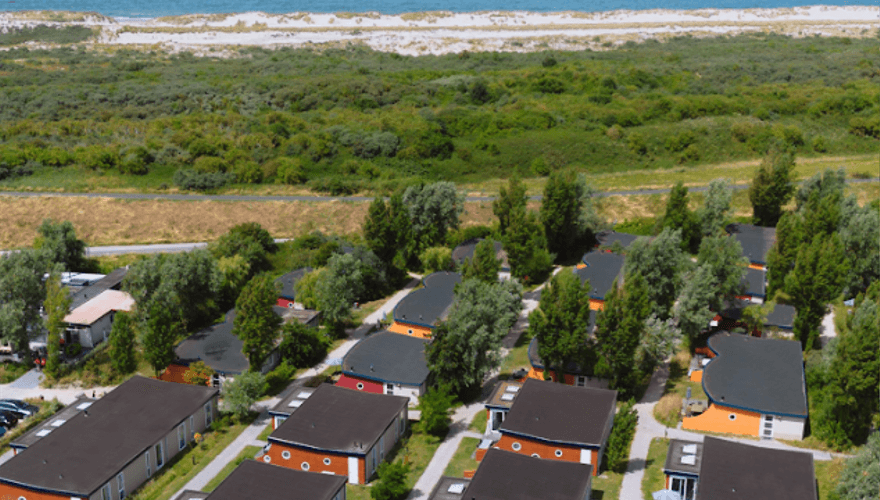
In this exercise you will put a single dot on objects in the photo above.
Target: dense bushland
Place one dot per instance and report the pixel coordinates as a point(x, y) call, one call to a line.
point(344, 119)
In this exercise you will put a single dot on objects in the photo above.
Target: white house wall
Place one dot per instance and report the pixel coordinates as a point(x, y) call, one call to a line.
point(788, 428)
point(407, 391)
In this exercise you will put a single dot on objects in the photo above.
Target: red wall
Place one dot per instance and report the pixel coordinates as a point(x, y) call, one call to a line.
point(350, 382)
point(284, 302)
point(9, 491)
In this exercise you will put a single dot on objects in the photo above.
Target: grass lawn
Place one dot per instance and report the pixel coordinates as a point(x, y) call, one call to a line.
point(463, 459)
point(478, 424)
point(607, 486)
point(182, 468)
point(517, 358)
point(828, 475)
point(264, 436)
point(10, 371)
point(248, 453)
point(654, 479)
point(417, 452)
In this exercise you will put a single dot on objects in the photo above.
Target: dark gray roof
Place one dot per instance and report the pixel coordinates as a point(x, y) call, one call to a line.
point(296, 395)
point(338, 419)
point(442, 489)
point(252, 479)
point(504, 475)
point(756, 241)
point(782, 316)
point(466, 251)
point(561, 413)
point(602, 269)
point(92, 447)
point(675, 453)
point(52, 423)
point(288, 281)
point(753, 282)
point(388, 357)
point(111, 281)
point(607, 238)
point(761, 375)
point(217, 347)
point(427, 305)
point(735, 471)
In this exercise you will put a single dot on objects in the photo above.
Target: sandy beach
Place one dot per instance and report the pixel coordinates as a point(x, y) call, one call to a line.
point(448, 32)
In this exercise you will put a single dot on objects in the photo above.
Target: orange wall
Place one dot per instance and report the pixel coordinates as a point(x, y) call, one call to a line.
point(538, 374)
point(9, 491)
point(417, 331)
point(705, 351)
point(338, 463)
point(759, 267)
point(696, 376)
point(717, 419)
point(597, 305)
point(547, 451)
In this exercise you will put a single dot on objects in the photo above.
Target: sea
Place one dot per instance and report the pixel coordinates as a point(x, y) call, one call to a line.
point(158, 8)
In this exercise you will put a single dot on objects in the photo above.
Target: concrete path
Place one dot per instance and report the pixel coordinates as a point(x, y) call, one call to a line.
point(66, 395)
point(30, 380)
point(827, 331)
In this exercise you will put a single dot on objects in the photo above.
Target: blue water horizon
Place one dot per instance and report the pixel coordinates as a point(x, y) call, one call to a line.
point(159, 8)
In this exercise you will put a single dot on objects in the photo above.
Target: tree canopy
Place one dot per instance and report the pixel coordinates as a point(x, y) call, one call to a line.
point(526, 247)
point(560, 323)
point(58, 241)
point(511, 199)
point(716, 209)
point(256, 323)
point(567, 213)
point(678, 217)
point(484, 265)
point(620, 328)
point(248, 240)
point(661, 262)
point(434, 210)
point(772, 186)
point(21, 295)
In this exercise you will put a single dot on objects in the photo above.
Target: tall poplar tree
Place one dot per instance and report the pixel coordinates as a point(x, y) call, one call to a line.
point(256, 323)
point(56, 305)
point(560, 322)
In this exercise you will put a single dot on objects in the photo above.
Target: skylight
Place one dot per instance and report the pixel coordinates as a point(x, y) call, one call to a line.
point(304, 395)
point(44, 432)
point(296, 403)
point(689, 460)
point(83, 406)
point(59, 422)
point(507, 397)
point(456, 488)
point(689, 449)
point(512, 388)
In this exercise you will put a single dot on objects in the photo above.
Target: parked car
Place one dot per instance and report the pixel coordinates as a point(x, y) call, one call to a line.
point(21, 405)
point(8, 419)
point(19, 413)
point(2, 430)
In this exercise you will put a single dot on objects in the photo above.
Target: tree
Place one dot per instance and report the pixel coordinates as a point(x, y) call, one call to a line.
point(302, 346)
point(818, 277)
point(754, 316)
point(434, 209)
point(716, 208)
point(436, 259)
point(679, 217)
point(392, 482)
point(256, 323)
point(122, 344)
point(620, 327)
point(436, 405)
point(510, 200)
point(568, 215)
point(235, 271)
point(660, 340)
point(160, 332)
point(526, 247)
point(56, 305)
point(860, 478)
point(340, 286)
point(21, 295)
point(691, 310)
point(241, 392)
point(250, 241)
point(617, 452)
point(560, 323)
point(661, 262)
point(828, 183)
point(386, 230)
point(198, 373)
point(781, 257)
point(306, 289)
point(374, 278)
point(772, 187)
point(860, 233)
point(723, 258)
point(484, 265)
point(60, 245)
point(467, 345)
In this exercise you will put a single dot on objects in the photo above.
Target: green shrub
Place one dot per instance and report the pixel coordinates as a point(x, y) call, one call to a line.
point(191, 179)
point(436, 259)
point(819, 144)
point(617, 453)
point(248, 172)
point(539, 167)
point(210, 164)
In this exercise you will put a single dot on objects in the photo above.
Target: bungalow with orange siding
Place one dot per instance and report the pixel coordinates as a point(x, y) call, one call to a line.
point(252, 479)
point(603, 269)
point(559, 422)
point(756, 387)
point(418, 313)
point(574, 374)
point(756, 242)
point(339, 431)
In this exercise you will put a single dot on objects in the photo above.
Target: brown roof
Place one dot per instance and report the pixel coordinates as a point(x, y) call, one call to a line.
point(561, 413)
point(261, 481)
point(338, 419)
point(504, 394)
point(80, 456)
point(503, 475)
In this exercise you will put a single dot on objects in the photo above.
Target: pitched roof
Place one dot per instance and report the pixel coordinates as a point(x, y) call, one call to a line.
point(602, 269)
point(503, 475)
point(427, 305)
point(607, 238)
point(217, 347)
point(288, 282)
point(756, 241)
point(98, 307)
point(388, 357)
point(561, 413)
point(110, 281)
point(753, 282)
point(252, 479)
point(79, 457)
point(338, 419)
point(756, 374)
point(734, 471)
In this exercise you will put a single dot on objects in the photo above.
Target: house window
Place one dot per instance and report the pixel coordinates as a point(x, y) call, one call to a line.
point(686, 487)
point(558, 453)
point(285, 455)
point(160, 457)
point(209, 415)
point(181, 436)
point(536, 455)
point(120, 483)
point(304, 466)
point(326, 461)
point(516, 446)
point(192, 427)
point(267, 458)
point(147, 459)
point(105, 492)
point(409, 331)
point(581, 381)
point(360, 386)
point(732, 417)
point(389, 388)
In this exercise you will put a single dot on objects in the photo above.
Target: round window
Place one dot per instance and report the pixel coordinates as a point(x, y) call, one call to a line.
point(285, 455)
point(326, 461)
point(516, 446)
point(360, 386)
point(305, 466)
point(22, 498)
point(267, 458)
point(558, 453)
point(409, 332)
point(732, 416)
point(536, 455)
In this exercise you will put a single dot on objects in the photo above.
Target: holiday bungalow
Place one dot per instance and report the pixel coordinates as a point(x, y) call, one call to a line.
point(84, 287)
point(289, 403)
point(717, 469)
point(756, 242)
point(90, 323)
point(253, 479)
point(603, 269)
point(42, 430)
point(112, 447)
point(756, 387)
point(753, 286)
point(608, 239)
point(780, 319)
point(418, 313)
point(339, 431)
point(574, 374)
point(559, 422)
point(465, 252)
point(287, 284)
point(387, 363)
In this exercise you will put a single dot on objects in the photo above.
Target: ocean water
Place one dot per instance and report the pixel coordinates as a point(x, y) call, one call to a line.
point(156, 8)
